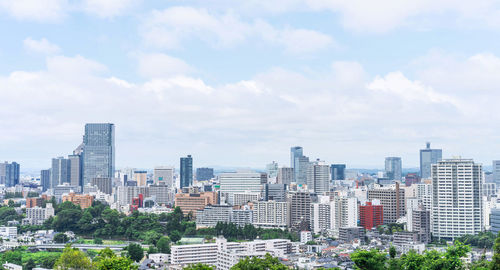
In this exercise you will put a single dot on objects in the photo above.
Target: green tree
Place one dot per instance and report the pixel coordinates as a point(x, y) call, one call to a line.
point(98, 241)
point(30, 264)
point(392, 252)
point(61, 238)
point(107, 260)
point(412, 260)
point(135, 251)
point(199, 266)
point(73, 258)
point(254, 263)
point(163, 245)
point(13, 256)
point(369, 260)
point(455, 253)
point(175, 236)
point(152, 250)
point(495, 262)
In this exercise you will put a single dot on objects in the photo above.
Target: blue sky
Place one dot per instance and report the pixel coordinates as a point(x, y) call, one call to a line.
point(236, 83)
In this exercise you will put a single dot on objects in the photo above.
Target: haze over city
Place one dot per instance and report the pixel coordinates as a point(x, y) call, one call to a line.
point(237, 83)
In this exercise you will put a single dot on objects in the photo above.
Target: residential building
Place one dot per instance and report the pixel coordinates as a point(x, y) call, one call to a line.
point(393, 168)
point(392, 199)
point(37, 215)
point(98, 151)
point(212, 214)
point(371, 215)
point(186, 171)
point(348, 234)
point(318, 177)
point(191, 202)
point(421, 223)
point(8, 232)
point(428, 157)
point(272, 214)
point(83, 200)
point(33, 202)
point(300, 210)
point(457, 205)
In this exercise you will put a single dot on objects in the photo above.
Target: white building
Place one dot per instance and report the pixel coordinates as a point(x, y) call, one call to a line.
point(305, 236)
point(37, 215)
point(164, 174)
point(318, 177)
point(272, 214)
point(457, 204)
point(8, 232)
point(331, 215)
point(242, 198)
point(241, 182)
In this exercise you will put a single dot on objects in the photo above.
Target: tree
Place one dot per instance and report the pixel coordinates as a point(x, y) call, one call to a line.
point(369, 260)
point(61, 238)
point(175, 236)
point(163, 245)
point(98, 241)
point(30, 264)
point(254, 263)
point(73, 258)
point(152, 250)
point(13, 256)
point(495, 262)
point(135, 251)
point(392, 252)
point(199, 266)
point(412, 260)
point(107, 260)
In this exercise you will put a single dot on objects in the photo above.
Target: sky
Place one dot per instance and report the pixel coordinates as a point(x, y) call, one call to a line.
point(237, 83)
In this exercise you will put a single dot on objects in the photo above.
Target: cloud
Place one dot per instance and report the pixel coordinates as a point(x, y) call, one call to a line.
point(38, 10)
point(108, 8)
point(157, 65)
point(170, 27)
point(40, 46)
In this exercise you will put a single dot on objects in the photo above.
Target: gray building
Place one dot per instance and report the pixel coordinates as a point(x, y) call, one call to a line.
point(495, 220)
point(299, 163)
point(428, 157)
point(300, 211)
point(285, 175)
point(103, 184)
point(348, 234)
point(275, 192)
point(186, 171)
point(9, 174)
point(318, 177)
point(45, 179)
point(61, 171)
point(393, 168)
point(337, 171)
point(98, 151)
point(496, 171)
point(204, 174)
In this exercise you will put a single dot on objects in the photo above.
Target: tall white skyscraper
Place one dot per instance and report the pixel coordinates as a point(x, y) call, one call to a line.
point(318, 177)
point(428, 157)
point(457, 205)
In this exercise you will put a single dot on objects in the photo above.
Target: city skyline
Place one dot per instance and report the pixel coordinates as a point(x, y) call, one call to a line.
point(228, 82)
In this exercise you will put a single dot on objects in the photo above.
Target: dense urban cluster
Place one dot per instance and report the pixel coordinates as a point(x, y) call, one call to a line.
point(84, 213)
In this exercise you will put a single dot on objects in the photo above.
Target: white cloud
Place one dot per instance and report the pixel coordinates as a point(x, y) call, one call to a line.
point(40, 46)
point(157, 65)
point(35, 10)
point(108, 8)
point(170, 27)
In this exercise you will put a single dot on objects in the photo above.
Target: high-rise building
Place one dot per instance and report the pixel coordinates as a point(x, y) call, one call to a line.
point(75, 174)
point(457, 205)
point(295, 152)
point(244, 182)
point(331, 215)
point(98, 151)
point(371, 215)
point(45, 179)
point(9, 174)
point(275, 192)
point(428, 157)
point(300, 211)
point(204, 174)
point(301, 169)
point(272, 169)
point(393, 168)
point(285, 175)
point(103, 184)
point(337, 171)
point(141, 177)
point(61, 171)
point(392, 199)
point(165, 175)
point(496, 172)
point(186, 171)
point(272, 214)
point(318, 177)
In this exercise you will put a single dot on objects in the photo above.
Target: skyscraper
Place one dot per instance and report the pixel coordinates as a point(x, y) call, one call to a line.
point(204, 174)
point(393, 168)
point(98, 151)
point(75, 161)
point(295, 151)
point(428, 157)
point(337, 171)
point(457, 205)
point(45, 179)
point(272, 169)
point(164, 175)
point(318, 177)
point(285, 175)
point(297, 157)
point(9, 174)
point(186, 171)
point(61, 171)
point(496, 172)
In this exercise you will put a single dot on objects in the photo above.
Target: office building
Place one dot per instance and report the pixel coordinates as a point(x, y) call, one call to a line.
point(210, 215)
point(393, 168)
point(295, 152)
point(204, 174)
point(141, 178)
point(98, 151)
point(163, 194)
point(191, 202)
point(83, 200)
point(285, 175)
point(75, 173)
point(61, 171)
point(271, 214)
point(337, 172)
point(318, 177)
point(45, 179)
point(103, 184)
point(125, 194)
point(495, 220)
point(164, 175)
point(301, 169)
point(489, 189)
point(242, 198)
point(243, 182)
point(275, 192)
point(186, 171)
point(457, 204)
point(428, 157)
point(392, 199)
point(272, 170)
point(32, 202)
point(300, 211)
point(496, 172)
point(371, 215)
point(9, 173)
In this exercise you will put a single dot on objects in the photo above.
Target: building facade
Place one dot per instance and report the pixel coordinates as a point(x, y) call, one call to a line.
point(98, 151)
point(393, 168)
point(186, 171)
point(428, 157)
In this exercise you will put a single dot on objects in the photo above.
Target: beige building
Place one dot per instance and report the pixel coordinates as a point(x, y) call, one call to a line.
point(191, 202)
